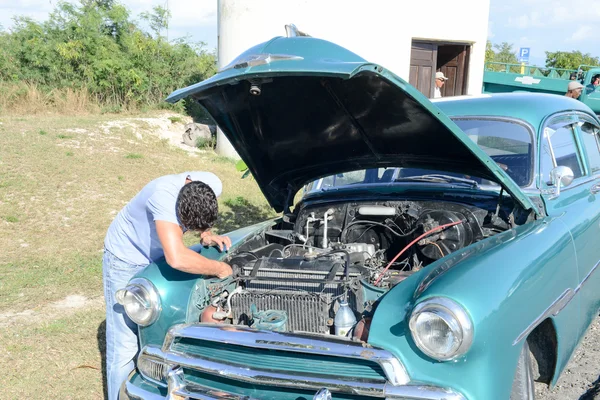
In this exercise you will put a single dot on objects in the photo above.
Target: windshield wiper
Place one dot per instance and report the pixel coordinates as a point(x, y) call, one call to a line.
point(438, 178)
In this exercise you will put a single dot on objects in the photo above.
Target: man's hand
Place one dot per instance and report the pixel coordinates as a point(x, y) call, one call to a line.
point(208, 239)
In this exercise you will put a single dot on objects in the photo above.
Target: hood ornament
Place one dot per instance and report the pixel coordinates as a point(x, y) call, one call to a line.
point(322, 394)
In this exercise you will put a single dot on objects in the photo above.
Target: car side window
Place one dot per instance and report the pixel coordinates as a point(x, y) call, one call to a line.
point(559, 148)
point(589, 137)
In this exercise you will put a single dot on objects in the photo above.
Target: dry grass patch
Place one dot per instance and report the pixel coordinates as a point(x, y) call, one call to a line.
point(27, 99)
point(59, 358)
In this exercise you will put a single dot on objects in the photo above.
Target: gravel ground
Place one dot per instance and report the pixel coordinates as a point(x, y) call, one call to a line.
point(581, 379)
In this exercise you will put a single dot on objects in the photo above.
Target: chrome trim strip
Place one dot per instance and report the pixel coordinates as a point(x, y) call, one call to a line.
point(421, 392)
point(581, 182)
point(176, 382)
point(198, 392)
point(300, 343)
point(553, 309)
point(587, 277)
point(131, 392)
point(561, 302)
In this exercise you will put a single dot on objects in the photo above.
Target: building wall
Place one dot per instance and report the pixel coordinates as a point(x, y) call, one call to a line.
point(381, 31)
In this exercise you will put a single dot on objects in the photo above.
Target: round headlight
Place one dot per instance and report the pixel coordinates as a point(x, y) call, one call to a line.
point(140, 300)
point(441, 328)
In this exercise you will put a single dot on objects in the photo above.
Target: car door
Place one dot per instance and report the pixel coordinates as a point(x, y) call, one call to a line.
point(588, 242)
point(577, 204)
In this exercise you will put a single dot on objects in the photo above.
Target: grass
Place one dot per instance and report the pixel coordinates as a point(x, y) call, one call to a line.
point(175, 120)
point(54, 213)
point(49, 357)
point(203, 143)
point(134, 156)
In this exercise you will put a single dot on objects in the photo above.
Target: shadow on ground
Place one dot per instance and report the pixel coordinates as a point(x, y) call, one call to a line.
point(593, 392)
point(243, 213)
point(102, 349)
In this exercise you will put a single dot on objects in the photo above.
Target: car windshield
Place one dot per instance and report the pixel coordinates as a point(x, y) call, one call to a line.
point(508, 143)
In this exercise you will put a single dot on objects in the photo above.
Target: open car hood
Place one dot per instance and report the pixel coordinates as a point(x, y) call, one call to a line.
point(300, 108)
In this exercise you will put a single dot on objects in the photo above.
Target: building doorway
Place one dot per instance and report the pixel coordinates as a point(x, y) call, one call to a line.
point(450, 58)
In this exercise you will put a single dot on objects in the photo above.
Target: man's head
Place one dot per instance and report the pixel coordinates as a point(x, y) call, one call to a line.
point(440, 79)
point(574, 89)
point(197, 206)
point(596, 80)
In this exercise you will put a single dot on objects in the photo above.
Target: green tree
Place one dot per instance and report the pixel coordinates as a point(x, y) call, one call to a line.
point(158, 19)
point(569, 59)
point(490, 54)
point(504, 53)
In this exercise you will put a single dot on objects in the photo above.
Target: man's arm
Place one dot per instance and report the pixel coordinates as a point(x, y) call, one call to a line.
point(180, 257)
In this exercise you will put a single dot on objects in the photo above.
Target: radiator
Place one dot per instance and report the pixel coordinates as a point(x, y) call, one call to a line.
point(305, 312)
point(309, 305)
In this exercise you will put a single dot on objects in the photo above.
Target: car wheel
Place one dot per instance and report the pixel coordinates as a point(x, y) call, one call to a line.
point(523, 388)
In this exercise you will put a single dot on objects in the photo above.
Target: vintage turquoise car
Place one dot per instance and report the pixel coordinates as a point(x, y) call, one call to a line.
point(441, 249)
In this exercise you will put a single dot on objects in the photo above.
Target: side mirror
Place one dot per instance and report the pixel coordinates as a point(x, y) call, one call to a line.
point(561, 176)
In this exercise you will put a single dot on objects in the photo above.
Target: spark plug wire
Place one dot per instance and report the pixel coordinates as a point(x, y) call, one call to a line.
point(429, 232)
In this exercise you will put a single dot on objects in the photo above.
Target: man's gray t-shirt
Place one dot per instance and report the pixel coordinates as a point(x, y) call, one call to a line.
point(132, 235)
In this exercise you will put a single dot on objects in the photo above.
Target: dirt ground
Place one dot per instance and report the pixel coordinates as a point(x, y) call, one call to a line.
point(581, 379)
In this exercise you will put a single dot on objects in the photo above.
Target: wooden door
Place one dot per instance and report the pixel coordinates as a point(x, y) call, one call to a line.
point(422, 67)
point(452, 60)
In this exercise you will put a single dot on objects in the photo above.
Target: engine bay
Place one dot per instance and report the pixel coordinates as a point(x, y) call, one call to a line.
point(322, 269)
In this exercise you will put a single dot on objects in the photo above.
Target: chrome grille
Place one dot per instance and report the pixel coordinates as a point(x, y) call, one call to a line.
point(275, 359)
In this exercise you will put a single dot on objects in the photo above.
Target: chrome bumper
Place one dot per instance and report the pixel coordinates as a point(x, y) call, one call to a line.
point(396, 384)
point(178, 390)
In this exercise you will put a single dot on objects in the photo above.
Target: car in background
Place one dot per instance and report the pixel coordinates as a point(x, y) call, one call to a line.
point(440, 249)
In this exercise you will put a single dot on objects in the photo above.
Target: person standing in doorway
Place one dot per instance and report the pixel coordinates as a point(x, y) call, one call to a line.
point(440, 79)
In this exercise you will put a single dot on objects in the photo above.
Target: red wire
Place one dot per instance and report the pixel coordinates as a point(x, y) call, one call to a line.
point(439, 228)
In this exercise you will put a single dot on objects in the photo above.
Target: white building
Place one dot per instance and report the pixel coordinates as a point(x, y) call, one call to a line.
point(413, 39)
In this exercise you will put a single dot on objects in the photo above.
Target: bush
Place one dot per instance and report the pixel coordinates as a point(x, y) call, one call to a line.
point(94, 51)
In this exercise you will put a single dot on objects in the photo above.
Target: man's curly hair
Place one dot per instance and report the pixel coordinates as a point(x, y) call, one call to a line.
point(197, 206)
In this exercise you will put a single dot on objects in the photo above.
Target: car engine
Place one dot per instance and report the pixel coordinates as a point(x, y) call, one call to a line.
point(322, 269)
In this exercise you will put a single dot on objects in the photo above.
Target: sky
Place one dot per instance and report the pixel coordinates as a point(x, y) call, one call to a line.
point(545, 25)
point(541, 25)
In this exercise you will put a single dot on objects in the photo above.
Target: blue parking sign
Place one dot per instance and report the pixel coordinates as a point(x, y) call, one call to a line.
point(524, 54)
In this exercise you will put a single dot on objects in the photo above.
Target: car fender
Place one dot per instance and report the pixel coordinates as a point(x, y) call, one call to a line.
point(505, 283)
